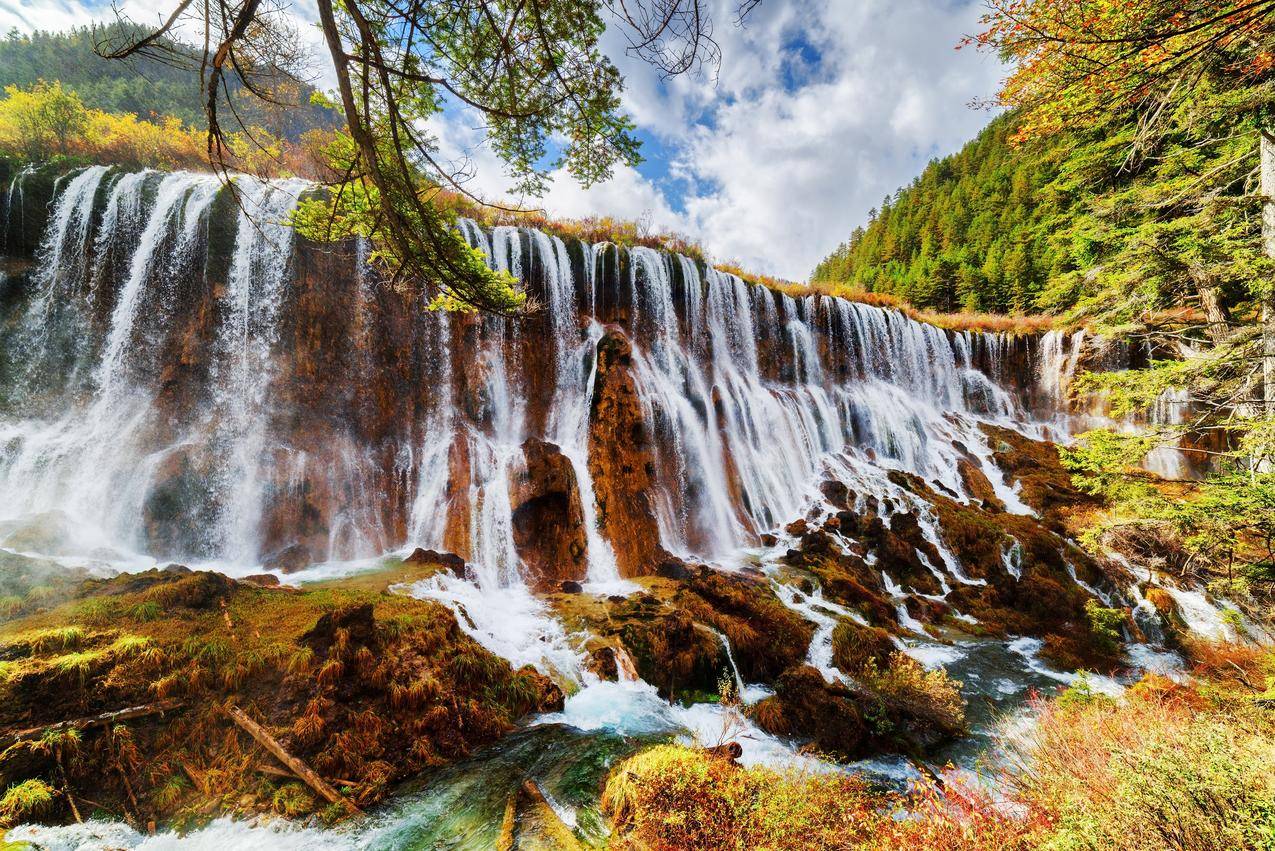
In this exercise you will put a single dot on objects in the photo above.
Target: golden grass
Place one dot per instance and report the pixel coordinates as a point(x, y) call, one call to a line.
point(1190, 767)
point(673, 797)
point(1170, 766)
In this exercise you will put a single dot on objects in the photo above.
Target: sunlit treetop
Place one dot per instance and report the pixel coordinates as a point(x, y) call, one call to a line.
point(1075, 62)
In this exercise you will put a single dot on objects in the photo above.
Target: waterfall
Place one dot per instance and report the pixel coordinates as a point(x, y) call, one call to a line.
point(94, 464)
point(242, 368)
point(246, 393)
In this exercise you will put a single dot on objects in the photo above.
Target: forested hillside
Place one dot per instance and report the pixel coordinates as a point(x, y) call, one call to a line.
point(971, 232)
point(1109, 220)
point(146, 84)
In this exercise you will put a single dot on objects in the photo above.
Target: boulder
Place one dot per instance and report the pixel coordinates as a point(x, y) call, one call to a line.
point(290, 559)
point(837, 494)
point(450, 561)
point(672, 568)
point(806, 706)
point(548, 517)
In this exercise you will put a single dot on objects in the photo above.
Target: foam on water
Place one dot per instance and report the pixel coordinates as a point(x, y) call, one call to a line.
point(510, 622)
point(218, 835)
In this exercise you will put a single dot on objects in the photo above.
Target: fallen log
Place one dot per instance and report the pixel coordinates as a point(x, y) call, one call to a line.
point(296, 766)
point(508, 825)
point(112, 717)
point(272, 771)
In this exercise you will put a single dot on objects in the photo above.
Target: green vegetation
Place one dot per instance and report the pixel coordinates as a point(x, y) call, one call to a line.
point(28, 799)
point(1189, 767)
point(342, 673)
point(1116, 191)
point(976, 231)
point(1075, 223)
point(148, 86)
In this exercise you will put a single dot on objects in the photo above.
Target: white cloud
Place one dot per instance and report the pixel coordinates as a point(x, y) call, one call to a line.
point(820, 110)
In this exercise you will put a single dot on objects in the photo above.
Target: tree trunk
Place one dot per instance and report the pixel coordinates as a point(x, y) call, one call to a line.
point(296, 766)
point(1219, 318)
point(1268, 247)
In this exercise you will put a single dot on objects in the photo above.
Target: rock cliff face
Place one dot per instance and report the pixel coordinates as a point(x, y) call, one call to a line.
point(622, 459)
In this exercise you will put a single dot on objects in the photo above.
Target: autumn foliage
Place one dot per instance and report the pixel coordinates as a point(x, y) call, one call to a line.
point(1075, 63)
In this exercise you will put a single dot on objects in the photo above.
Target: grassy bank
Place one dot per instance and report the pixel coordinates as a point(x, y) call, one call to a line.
point(149, 697)
point(1168, 765)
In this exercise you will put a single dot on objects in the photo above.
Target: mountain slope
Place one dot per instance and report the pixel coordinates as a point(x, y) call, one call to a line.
point(971, 232)
point(142, 85)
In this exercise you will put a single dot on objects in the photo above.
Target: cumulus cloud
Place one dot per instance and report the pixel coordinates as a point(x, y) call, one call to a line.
point(832, 106)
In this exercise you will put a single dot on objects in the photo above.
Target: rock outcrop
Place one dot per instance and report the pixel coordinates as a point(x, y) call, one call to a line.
point(622, 460)
point(548, 519)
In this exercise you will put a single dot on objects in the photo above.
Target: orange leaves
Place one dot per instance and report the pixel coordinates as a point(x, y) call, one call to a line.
point(1077, 62)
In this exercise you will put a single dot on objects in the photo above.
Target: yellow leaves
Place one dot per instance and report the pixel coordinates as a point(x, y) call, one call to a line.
point(48, 120)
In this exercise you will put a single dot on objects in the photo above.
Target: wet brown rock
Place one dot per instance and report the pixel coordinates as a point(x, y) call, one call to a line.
point(450, 561)
point(978, 486)
point(547, 696)
point(456, 505)
point(672, 568)
point(265, 580)
point(290, 559)
point(837, 494)
point(177, 507)
point(602, 662)
point(766, 636)
point(672, 652)
point(797, 528)
point(548, 519)
point(1034, 465)
point(621, 459)
point(768, 540)
point(896, 546)
point(805, 706)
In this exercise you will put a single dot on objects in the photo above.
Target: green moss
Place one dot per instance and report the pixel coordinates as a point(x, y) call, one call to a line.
point(292, 800)
point(1104, 625)
point(26, 800)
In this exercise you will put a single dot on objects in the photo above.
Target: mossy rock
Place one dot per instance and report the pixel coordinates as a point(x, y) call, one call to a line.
point(855, 645)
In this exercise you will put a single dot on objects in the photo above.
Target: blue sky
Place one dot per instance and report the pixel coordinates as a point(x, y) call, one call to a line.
point(819, 109)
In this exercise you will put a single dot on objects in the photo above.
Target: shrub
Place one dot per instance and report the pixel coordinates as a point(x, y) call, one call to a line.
point(672, 797)
point(1156, 771)
point(853, 646)
point(908, 688)
point(25, 800)
point(1105, 625)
